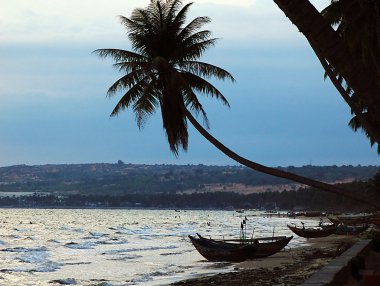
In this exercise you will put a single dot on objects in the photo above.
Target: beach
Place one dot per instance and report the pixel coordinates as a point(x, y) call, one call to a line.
point(288, 267)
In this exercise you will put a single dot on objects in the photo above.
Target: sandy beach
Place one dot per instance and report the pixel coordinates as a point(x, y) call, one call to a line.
point(288, 267)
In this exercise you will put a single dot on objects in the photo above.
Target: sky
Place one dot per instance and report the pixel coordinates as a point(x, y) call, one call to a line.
point(54, 110)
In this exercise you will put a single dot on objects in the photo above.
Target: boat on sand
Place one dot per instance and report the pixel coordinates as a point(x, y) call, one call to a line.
point(313, 232)
point(351, 219)
point(237, 250)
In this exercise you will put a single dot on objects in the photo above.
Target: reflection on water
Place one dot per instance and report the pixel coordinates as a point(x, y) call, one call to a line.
point(116, 247)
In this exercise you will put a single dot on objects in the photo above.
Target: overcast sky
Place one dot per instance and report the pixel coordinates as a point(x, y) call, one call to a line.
point(53, 107)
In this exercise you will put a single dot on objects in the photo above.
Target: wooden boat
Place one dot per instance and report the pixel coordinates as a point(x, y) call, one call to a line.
point(266, 246)
point(322, 231)
point(232, 252)
point(351, 229)
point(351, 219)
point(236, 250)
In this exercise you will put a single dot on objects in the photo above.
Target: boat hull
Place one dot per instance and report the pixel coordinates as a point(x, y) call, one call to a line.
point(351, 219)
point(218, 250)
point(228, 252)
point(313, 232)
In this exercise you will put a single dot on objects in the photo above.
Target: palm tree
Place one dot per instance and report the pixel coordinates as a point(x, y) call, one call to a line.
point(340, 62)
point(164, 71)
point(358, 23)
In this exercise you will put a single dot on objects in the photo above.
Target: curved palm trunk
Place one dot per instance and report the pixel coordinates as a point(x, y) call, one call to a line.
point(329, 46)
point(273, 171)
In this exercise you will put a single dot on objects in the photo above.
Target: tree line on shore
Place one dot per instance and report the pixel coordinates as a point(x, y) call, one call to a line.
point(302, 199)
point(119, 179)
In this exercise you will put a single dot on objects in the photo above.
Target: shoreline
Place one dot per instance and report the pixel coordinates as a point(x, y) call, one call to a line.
point(287, 267)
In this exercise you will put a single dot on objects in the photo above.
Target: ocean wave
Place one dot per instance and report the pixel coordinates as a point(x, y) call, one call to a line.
point(125, 257)
point(79, 230)
point(113, 241)
point(24, 249)
point(47, 266)
point(150, 248)
point(12, 236)
point(146, 277)
point(66, 281)
point(33, 257)
point(176, 253)
point(75, 245)
point(98, 234)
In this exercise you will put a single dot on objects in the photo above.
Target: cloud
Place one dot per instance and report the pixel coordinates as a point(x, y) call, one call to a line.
point(239, 3)
point(59, 21)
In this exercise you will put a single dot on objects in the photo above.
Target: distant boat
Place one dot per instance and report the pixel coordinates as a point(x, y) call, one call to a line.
point(314, 232)
point(351, 219)
point(236, 250)
point(351, 229)
point(240, 211)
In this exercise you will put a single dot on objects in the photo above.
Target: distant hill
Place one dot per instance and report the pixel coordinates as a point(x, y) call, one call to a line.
point(118, 179)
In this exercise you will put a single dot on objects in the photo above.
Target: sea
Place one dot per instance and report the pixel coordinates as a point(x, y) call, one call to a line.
point(115, 247)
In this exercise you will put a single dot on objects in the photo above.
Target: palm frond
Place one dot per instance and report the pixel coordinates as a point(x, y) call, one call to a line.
point(130, 66)
point(131, 96)
point(128, 81)
point(174, 6)
point(195, 50)
point(119, 55)
point(194, 38)
point(356, 125)
point(193, 26)
point(146, 105)
point(201, 85)
point(192, 102)
point(174, 120)
point(206, 70)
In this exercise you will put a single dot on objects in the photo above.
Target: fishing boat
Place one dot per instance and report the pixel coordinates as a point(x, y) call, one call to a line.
point(314, 232)
point(351, 229)
point(232, 252)
point(236, 250)
point(351, 219)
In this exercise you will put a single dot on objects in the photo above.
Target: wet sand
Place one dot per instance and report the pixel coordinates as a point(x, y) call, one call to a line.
point(288, 267)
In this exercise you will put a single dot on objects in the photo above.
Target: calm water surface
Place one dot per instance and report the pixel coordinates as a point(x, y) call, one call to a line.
point(117, 247)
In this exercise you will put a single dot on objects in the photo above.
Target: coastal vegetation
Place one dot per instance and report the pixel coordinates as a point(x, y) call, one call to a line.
point(120, 178)
point(178, 186)
point(304, 199)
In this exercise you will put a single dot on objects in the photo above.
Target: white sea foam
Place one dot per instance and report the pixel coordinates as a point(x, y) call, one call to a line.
point(66, 281)
point(84, 245)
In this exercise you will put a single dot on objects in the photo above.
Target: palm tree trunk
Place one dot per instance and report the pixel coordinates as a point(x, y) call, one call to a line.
point(329, 46)
point(273, 171)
